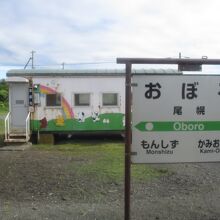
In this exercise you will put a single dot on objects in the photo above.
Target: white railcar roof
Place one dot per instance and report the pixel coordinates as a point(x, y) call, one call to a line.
point(86, 72)
point(17, 80)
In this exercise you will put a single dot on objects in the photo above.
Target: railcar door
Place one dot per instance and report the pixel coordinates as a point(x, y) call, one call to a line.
point(18, 106)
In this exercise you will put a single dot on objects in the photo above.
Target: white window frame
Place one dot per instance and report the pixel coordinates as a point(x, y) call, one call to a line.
point(57, 106)
point(81, 106)
point(110, 106)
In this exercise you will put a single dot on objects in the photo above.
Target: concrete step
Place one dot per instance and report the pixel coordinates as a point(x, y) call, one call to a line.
point(17, 135)
point(16, 140)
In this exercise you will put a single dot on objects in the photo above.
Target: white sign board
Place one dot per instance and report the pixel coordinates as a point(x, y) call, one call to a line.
point(175, 118)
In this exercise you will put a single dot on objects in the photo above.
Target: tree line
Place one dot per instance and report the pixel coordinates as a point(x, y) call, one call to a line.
point(3, 95)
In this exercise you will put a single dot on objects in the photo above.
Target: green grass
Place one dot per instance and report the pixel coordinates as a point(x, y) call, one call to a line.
point(102, 160)
point(2, 127)
point(2, 131)
point(3, 113)
point(3, 110)
point(2, 123)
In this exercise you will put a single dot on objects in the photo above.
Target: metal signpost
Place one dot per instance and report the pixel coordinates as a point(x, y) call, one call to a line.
point(175, 117)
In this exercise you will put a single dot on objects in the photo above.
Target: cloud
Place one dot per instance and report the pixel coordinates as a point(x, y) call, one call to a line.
point(96, 30)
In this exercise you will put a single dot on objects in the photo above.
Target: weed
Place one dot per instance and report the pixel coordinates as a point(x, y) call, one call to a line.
point(101, 160)
point(2, 126)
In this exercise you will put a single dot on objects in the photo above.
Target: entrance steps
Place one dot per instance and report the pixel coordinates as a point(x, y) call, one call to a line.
point(14, 134)
point(16, 138)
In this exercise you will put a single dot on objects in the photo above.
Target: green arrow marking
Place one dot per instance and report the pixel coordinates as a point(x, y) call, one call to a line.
point(178, 126)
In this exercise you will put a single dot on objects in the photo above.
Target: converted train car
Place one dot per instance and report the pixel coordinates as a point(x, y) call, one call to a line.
point(54, 101)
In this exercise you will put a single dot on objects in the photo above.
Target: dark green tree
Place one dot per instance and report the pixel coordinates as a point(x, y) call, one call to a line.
point(3, 94)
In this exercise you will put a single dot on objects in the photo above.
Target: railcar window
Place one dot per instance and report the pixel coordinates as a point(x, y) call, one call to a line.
point(109, 99)
point(53, 100)
point(82, 99)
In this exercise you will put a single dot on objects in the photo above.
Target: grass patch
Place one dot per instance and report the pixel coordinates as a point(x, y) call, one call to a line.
point(2, 127)
point(102, 160)
point(2, 138)
point(3, 113)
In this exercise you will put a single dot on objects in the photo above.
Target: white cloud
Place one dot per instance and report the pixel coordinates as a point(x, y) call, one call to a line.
point(90, 30)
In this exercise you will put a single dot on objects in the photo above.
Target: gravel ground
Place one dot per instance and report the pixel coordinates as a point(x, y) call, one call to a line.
point(39, 185)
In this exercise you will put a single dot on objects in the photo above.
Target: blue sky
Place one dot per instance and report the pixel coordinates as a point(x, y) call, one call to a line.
point(88, 31)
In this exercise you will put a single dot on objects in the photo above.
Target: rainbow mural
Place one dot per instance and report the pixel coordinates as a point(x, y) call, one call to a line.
point(65, 105)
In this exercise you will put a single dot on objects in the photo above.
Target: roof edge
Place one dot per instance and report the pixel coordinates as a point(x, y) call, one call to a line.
point(87, 72)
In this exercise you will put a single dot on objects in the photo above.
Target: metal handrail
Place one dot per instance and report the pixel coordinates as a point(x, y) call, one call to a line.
point(7, 128)
point(28, 126)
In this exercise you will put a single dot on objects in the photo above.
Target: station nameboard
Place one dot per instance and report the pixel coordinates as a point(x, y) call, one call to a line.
point(175, 118)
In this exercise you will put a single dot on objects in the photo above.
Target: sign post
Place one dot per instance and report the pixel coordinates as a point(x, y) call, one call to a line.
point(127, 141)
point(193, 127)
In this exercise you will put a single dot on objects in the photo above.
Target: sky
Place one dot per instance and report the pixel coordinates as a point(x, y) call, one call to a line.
point(79, 33)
